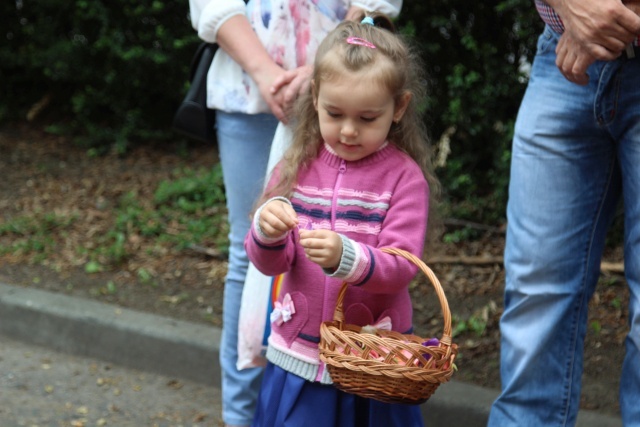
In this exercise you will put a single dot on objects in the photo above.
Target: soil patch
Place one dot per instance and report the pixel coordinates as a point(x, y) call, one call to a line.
point(44, 173)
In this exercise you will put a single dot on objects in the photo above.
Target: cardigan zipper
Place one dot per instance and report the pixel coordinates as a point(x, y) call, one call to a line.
point(334, 201)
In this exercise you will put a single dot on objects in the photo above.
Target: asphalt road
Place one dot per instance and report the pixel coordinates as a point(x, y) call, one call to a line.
point(44, 388)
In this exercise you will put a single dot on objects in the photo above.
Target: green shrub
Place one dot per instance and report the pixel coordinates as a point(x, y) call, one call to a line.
point(474, 54)
point(113, 72)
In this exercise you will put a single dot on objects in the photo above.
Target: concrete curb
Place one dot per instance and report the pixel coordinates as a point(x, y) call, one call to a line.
point(117, 335)
point(186, 350)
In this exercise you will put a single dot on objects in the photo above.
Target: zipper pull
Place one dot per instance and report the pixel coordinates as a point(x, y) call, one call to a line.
point(343, 166)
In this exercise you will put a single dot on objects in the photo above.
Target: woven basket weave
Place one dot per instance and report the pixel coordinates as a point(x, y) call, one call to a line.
point(386, 365)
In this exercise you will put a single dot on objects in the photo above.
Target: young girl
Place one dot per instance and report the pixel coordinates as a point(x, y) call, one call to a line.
point(355, 179)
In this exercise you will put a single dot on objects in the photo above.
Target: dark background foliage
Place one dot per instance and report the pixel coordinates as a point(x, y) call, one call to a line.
point(475, 54)
point(110, 75)
point(111, 72)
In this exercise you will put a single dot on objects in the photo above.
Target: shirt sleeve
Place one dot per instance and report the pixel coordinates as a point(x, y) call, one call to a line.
point(390, 8)
point(208, 15)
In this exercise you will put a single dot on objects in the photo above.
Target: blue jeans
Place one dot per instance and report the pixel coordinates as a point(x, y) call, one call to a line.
point(576, 151)
point(244, 142)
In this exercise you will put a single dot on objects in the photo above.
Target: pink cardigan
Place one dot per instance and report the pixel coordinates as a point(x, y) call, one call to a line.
point(379, 201)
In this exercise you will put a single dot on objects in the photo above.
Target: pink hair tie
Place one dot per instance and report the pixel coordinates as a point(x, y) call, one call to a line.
point(360, 42)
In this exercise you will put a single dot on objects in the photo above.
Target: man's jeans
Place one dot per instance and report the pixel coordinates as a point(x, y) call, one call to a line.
point(244, 142)
point(576, 150)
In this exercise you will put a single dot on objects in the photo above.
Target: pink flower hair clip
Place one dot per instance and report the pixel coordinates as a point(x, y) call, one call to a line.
point(360, 42)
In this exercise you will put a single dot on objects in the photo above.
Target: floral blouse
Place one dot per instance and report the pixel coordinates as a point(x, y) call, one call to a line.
point(290, 30)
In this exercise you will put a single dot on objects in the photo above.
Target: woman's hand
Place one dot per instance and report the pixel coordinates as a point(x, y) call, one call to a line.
point(277, 218)
point(237, 38)
point(290, 85)
point(265, 78)
point(354, 14)
point(324, 247)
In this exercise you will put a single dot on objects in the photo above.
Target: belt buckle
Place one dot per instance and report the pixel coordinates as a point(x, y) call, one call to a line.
point(630, 51)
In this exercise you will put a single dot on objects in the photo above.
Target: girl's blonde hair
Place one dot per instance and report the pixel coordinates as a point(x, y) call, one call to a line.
point(393, 63)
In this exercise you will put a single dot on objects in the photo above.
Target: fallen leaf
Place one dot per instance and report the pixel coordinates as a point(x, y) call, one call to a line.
point(199, 417)
point(175, 384)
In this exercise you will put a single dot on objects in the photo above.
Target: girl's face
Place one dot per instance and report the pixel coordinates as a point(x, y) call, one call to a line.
point(355, 114)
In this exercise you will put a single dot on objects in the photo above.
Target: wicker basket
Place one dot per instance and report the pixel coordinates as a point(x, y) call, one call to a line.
point(386, 365)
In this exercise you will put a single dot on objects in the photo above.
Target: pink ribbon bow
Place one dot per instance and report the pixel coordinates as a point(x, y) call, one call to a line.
point(384, 324)
point(283, 310)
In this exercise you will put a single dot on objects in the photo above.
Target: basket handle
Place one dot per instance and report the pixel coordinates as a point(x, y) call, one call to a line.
point(446, 313)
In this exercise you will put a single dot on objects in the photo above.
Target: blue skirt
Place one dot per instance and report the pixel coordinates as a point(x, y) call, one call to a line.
point(286, 400)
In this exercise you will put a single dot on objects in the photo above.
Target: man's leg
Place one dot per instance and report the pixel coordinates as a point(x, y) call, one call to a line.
point(563, 191)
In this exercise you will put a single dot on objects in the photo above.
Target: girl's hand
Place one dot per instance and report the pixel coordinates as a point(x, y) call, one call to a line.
point(324, 247)
point(277, 218)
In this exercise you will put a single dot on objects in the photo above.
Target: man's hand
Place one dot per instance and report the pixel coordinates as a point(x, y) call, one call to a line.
point(594, 30)
point(324, 247)
point(603, 27)
point(573, 59)
point(633, 5)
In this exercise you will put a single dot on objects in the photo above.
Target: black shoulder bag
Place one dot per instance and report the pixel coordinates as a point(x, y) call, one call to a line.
point(193, 118)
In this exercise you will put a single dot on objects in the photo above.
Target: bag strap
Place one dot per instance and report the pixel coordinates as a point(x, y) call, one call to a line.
point(196, 57)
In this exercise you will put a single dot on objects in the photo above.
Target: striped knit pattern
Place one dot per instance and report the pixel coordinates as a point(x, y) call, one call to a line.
point(553, 20)
point(358, 212)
